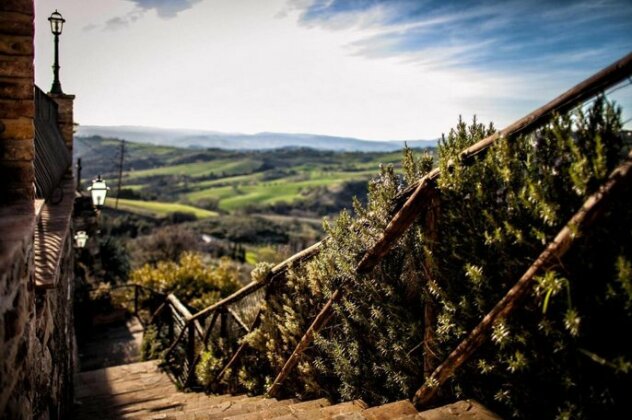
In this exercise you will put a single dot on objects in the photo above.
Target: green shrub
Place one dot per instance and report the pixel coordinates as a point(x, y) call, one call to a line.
point(195, 283)
point(211, 362)
point(560, 355)
point(151, 346)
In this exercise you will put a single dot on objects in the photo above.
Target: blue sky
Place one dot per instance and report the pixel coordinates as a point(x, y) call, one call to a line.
point(376, 69)
point(521, 36)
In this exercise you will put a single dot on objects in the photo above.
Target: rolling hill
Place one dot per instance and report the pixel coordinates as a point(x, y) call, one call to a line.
point(160, 180)
point(236, 141)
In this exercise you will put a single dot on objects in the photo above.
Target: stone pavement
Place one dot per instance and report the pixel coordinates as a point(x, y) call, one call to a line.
point(141, 390)
point(111, 345)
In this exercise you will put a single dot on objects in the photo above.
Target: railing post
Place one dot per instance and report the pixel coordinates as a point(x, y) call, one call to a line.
point(323, 317)
point(209, 330)
point(136, 301)
point(223, 329)
point(431, 360)
point(170, 331)
point(190, 343)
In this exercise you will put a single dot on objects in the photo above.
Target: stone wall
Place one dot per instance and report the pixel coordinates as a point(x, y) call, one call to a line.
point(36, 323)
point(65, 118)
point(36, 339)
point(16, 100)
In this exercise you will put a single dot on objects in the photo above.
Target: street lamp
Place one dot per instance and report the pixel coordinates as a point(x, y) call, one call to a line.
point(81, 238)
point(56, 26)
point(99, 191)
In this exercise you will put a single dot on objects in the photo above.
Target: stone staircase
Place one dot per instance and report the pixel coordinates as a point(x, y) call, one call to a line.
point(141, 390)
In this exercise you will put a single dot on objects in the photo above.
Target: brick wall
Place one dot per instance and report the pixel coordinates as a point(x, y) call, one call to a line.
point(36, 323)
point(36, 339)
point(16, 100)
point(65, 118)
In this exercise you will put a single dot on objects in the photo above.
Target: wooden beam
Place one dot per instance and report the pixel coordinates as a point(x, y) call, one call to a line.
point(417, 193)
point(158, 311)
point(256, 285)
point(175, 343)
point(185, 313)
point(431, 236)
point(585, 216)
point(191, 370)
point(209, 329)
point(240, 349)
point(237, 319)
point(402, 220)
point(319, 322)
point(223, 323)
point(179, 306)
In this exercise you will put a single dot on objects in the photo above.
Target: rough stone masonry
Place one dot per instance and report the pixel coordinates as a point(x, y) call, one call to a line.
point(36, 325)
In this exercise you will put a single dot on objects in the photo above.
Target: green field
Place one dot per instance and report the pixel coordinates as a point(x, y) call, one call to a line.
point(159, 180)
point(246, 191)
point(158, 209)
point(222, 166)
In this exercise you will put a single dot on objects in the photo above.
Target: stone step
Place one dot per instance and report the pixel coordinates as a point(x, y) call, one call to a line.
point(231, 409)
point(283, 410)
point(202, 404)
point(121, 372)
point(465, 409)
point(141, 390)
point(390, 411)
point(110, 381)
point(123, 394)
point(203, 407)
point(333, 411)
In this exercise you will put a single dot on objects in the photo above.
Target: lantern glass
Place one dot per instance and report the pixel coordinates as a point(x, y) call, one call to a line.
point(56, 23)
point(81, 238)
point(98, 191)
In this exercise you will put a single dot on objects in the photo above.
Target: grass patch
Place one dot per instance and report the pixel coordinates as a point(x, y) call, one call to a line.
point(158, 209)
point(218, 167)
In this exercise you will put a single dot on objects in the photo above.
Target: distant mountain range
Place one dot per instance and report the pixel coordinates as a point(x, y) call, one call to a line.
point(234, 141)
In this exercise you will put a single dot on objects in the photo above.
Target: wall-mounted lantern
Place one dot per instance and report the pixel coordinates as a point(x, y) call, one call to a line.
point(99, 191)
point(81, 238)
point(56, 26)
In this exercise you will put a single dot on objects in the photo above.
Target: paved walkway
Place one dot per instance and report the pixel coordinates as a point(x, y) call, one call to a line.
point(111, 345)
point(141, 390)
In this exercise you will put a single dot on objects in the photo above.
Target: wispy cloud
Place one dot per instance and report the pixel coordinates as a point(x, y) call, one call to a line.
point(500, 35)
point(165, 8)
point(119, 22)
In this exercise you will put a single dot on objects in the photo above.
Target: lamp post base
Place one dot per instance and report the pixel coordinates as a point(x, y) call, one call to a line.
point(56, 89)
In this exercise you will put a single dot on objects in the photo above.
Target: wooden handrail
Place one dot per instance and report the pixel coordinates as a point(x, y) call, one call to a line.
point(240, 349)
point(418, 192)
point(418, 200)
point(408, 205)
point(179, 306)
point(567, 236)
point(186, 314)
point(238, 320)
point(252, 287)
point(320, 321)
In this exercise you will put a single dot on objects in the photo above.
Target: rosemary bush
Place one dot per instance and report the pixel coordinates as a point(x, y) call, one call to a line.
point(560, 355)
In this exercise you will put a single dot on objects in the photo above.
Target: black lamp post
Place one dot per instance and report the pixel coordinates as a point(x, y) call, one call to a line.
point(56, 26)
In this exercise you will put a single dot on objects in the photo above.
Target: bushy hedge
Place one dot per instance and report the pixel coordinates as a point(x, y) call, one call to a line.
point(561, 355)
point(194, 282)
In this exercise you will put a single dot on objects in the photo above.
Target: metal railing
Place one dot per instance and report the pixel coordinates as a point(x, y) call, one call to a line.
point(52, 157)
